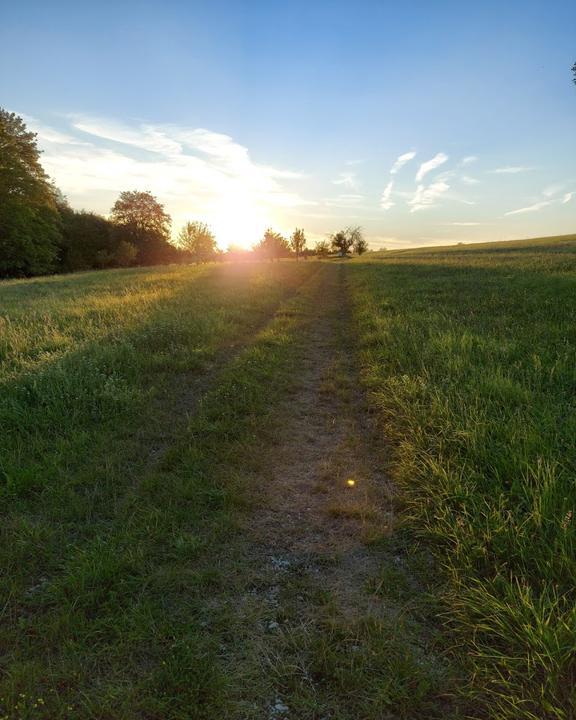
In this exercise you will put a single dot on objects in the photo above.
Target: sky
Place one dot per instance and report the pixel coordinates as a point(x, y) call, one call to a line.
point(422, 122)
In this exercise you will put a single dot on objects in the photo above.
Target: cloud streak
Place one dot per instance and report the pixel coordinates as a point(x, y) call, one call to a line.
point(531, 208)
point(386, 201)
point(401, 160)
point(541, 204)
point(426, 197)
point(510, 170)
point(347, 180)
point(429, 165)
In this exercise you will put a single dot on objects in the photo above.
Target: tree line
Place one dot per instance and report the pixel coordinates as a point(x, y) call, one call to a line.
point(40, 233)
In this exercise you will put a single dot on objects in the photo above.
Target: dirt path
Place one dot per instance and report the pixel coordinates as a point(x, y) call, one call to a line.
point(314, 635)
point(324, 495)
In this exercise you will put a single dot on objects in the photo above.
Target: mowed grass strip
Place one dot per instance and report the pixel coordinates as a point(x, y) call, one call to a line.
point(109, 556)
point(468, 354)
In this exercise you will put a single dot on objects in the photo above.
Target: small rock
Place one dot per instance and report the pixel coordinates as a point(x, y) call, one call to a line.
point(280, 563)
point(278, 710)
point(273, 625)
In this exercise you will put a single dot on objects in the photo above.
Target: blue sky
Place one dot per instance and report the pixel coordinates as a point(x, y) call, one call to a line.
point(246, 114)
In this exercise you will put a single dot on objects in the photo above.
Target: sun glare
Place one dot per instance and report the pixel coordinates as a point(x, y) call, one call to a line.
point(239, 224)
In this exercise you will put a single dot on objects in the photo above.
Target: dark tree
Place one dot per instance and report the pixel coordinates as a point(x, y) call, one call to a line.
point(360, 244)
point(344, 240)
point(29, 219)
point(139, 219)
point(198, 241)
point(87, 241)
point(273, 245)
point(322, 248)
point(298, 242)
point(574, 73)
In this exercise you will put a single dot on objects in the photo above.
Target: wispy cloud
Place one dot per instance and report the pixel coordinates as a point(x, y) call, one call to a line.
point(386, 201)
point(531, 208)
point(548, 193)
point(401, 161)
point(468, 160)
point(510, 170)
point(192, 170)
point(347, 180)
point(430, 165)
point(467, 180)
point(552, 190)
point(426, 197)
point(464, 224)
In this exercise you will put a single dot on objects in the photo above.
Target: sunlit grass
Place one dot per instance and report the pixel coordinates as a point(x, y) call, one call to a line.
point(111, 495)
point(468, 355)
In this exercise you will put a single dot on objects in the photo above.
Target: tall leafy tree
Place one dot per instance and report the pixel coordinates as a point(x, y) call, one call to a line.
point(29, 220)
point(344, 240)
point(139, 219)
point(87, 240)
point(198, 241)
point(273, 245)
point(298, 242)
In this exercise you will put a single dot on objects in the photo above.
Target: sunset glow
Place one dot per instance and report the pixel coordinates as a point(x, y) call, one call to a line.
point(239, 222)
point(242, 134)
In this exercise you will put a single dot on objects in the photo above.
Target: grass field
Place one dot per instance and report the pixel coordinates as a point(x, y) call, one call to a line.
point(468, 354)
point(180, 538)
point(111, 477)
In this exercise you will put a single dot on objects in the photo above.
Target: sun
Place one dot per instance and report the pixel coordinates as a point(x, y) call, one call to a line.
point(239, 222)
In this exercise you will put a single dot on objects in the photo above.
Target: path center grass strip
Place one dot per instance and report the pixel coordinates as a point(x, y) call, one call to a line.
point(109, 554)
point(468, 355)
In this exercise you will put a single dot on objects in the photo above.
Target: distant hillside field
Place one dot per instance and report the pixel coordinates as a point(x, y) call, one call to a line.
point(535, 249)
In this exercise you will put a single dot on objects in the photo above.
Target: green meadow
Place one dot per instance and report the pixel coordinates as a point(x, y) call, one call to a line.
point(145, 411)
point(111, 487)
point(468, 356)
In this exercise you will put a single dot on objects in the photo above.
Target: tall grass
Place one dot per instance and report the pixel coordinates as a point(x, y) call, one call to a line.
point(468, 354)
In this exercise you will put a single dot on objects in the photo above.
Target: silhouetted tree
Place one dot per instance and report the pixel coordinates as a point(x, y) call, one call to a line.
point(140, 220)
point(298, 242)
point(360, 244)
point(273, 245)
point(87, 241)
point(198, 241)
point(29, 219)
point(322, 248)
point(574, 73)
point(344, 240)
